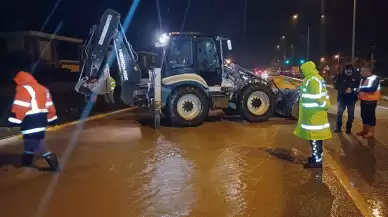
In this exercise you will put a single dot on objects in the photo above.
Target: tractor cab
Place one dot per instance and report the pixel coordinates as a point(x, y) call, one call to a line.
point(188, 52)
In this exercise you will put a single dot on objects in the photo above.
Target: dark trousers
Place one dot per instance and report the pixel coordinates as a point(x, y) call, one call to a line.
point(368, 112)
point(109, 97)
point(317, 150)
point(342, 106)
point(36, 146)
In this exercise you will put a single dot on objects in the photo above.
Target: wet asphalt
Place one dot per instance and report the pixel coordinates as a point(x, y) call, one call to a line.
point(119, 166)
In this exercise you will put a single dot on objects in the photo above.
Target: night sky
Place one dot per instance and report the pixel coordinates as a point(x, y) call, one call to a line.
point(254, 40)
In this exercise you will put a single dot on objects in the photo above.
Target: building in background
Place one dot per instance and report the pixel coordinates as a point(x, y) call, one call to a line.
point(55, 51)
point(60, 53)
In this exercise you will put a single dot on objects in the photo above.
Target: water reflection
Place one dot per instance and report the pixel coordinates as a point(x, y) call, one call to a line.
point(228, 174)
point(169, 191)
point(376, 208)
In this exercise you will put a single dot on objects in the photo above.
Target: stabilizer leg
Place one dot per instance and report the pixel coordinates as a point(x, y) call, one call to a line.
point(157, 108)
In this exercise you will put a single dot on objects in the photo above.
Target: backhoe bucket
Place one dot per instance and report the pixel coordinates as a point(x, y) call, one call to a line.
point(288, 103)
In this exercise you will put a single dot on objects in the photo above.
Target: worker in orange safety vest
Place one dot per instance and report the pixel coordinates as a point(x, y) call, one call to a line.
point(33, 110)
point(369, 94)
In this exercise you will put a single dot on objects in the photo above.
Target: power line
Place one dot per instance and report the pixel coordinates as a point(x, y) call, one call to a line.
point(185, 16)
point(159, 15)
point(245, 20)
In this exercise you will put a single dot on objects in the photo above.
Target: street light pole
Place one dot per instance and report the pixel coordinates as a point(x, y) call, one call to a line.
point(354, 29)
point(322, 38)
point(295, 17)
point(308, 42)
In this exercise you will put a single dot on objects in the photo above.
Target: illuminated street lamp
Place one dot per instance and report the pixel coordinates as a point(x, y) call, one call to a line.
point(278, 47)
point(295, 16)
point(337, 57)
point(283, 37)
point(322, 59)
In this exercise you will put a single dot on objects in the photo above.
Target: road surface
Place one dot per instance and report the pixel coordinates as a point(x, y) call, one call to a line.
point(116, 166)
point(223, 168)
point(365, 162)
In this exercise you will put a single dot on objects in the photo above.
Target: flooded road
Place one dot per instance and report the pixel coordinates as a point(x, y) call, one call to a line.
point(121, 168)
point(363, 161)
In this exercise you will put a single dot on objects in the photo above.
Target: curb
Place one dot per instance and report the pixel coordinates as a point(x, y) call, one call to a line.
point(354, 194)
point(12, 139)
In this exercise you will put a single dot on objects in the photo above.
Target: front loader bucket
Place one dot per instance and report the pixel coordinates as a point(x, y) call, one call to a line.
point(288, 103)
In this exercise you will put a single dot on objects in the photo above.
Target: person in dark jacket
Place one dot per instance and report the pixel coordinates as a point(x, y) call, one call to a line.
point(346, 83)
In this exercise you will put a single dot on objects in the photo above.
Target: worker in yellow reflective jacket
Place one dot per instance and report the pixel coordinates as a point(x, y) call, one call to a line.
point(110, 86)
point(313, 124)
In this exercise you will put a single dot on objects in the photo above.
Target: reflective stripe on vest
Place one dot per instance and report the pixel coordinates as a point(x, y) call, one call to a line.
point(314, 96)
point(34, 103)
point(112, 85)
point(48, 104)
point(315, 127)
point(34, 110)
point(369, 80)
point(369, 96)
point(14, 120)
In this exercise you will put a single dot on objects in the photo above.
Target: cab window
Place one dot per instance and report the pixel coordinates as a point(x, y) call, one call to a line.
point(206, 54)
point(180, 52)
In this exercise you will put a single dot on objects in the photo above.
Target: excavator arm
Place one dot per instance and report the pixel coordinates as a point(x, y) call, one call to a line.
point(93, 76)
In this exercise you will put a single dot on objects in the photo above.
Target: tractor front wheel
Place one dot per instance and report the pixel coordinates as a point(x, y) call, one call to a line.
point(188, 106)
point(256, 103)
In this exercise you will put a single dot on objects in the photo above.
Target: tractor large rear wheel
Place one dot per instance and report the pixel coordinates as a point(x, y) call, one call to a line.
point(256, 103)
point(188, 106)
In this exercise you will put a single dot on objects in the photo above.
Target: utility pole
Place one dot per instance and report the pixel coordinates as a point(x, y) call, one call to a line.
point(354, 29)
point(308, 42)
point(245, 20)
point(372, 59)
point(284, 46)
point(292, 54)
point(322, 38)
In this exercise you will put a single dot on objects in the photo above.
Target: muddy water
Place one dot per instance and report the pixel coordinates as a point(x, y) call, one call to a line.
point(223, 168)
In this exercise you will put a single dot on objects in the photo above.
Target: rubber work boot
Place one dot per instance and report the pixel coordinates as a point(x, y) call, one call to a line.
point(364, 131)
point(312, 163)
point(370, 133)
point(52, 161)
point(27, 160)
point(316, 148)
point(337, 130)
